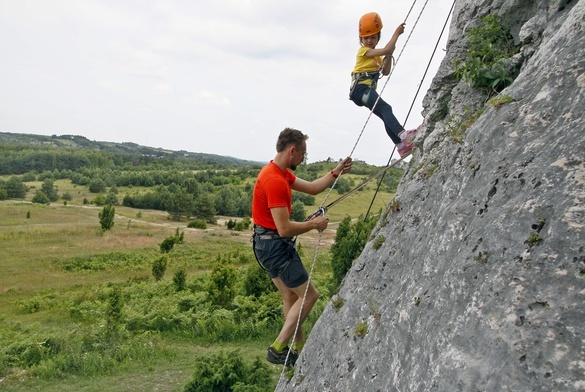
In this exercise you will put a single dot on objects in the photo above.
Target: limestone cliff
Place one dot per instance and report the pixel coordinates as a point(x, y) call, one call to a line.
point(477, 282)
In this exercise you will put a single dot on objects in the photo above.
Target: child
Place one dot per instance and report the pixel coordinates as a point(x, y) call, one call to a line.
point(369, 63)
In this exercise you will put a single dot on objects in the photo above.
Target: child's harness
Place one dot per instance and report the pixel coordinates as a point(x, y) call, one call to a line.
point(358, 77)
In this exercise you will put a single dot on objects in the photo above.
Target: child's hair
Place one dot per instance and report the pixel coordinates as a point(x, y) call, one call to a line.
point(379, 36)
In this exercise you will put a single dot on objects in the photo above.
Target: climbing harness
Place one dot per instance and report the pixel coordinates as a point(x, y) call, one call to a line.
point(263, 234)
point(356, 78)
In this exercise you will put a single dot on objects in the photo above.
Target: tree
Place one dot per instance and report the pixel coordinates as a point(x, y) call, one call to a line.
point(97, 186)
point(298, 212)
point(15, 188)
point(49, 189)
point(180, 203)
point(349, 242)
point(40, 197)
point(203, 207)
point(111, 198)
point(106, 216)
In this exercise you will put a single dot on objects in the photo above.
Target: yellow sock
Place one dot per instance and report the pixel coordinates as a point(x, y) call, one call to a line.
point(278, 346)
point(298, 346)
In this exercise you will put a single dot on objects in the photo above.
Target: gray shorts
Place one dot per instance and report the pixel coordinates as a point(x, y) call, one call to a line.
point(279, 257)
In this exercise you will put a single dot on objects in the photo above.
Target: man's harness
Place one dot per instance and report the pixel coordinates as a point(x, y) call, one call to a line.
point(263, 234)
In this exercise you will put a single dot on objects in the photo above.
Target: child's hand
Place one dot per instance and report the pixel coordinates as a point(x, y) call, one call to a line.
point(400, 29)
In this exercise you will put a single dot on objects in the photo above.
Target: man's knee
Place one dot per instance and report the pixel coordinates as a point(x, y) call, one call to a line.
point(289, 296)
point(312, 294)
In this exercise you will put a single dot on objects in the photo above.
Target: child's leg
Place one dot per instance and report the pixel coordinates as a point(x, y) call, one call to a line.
point(384, 112)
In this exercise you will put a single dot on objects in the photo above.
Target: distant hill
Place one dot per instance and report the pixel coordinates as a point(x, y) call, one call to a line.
point(128, 151)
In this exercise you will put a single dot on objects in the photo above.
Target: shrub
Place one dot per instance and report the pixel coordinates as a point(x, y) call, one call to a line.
point(228, 372)
point(159, 267)
point(67, 196)
point(167, 245)
point(97, 186)
point(484, 66)
point(40, 197)
point(180, 279)
point(221, 284)
point(298, 213)
point(114, 308)
point(256, 281)
point(197, 224)
point(349, 242)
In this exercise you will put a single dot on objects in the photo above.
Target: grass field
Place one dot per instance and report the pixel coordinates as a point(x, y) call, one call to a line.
point(37, 290)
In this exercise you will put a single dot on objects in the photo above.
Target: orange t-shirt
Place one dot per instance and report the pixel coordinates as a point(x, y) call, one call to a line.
point(272, 189)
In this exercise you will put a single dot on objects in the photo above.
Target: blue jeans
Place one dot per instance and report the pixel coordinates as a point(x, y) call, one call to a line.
point(364, 95)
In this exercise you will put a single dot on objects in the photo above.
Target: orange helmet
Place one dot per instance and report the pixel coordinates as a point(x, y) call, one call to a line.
point(370, 24)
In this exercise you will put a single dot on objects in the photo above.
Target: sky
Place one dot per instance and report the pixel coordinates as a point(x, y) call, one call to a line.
point(220, 77)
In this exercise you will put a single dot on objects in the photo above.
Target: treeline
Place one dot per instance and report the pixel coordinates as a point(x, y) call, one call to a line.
point(20, 158)
point(198, 194)
point(180, 183)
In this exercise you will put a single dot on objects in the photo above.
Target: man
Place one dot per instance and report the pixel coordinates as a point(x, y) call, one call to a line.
point(274, 231)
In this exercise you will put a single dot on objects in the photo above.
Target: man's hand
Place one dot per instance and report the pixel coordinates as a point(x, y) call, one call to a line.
point(343, 166)
point(320, 222)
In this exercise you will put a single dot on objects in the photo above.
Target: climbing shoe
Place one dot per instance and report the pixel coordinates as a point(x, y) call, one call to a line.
point(407, 137)
point(277, 358)
point(404, 149)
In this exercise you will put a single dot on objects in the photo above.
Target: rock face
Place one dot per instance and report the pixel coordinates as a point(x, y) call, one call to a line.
point(477, 282)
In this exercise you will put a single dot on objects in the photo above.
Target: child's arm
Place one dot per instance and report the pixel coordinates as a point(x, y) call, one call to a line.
point(386, 65)
point(388, 50)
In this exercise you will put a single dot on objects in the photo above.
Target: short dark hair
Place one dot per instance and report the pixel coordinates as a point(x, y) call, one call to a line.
point(290, 136)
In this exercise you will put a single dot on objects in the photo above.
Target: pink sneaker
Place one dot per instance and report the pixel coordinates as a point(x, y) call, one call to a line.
point(407, 137)
point(405, 149)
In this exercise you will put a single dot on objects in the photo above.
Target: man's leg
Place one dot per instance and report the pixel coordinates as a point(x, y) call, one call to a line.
point(292, 300)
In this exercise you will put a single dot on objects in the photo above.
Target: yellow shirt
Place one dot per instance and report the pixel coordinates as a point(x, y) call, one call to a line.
point(366, 64)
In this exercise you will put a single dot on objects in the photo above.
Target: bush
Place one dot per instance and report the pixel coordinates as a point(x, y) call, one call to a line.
point(298, 213)
point(256, 281)
point(225, 372)
point(349, 242)
point(179, 280)
point(197, 224)
point(159, 267)
point(221, 284)
point(169, 243)
point(485, 66)
point(97, 186)
point(40, 197)
point(67, 196)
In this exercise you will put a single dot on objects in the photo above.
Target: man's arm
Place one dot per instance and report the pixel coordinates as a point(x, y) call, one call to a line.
point(288, 228)
point(320, 184)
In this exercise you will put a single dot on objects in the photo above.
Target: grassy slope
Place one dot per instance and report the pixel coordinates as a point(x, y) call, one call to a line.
point(31, 248)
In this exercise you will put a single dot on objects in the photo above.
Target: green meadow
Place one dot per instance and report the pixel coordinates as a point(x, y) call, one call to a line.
point(82, 311)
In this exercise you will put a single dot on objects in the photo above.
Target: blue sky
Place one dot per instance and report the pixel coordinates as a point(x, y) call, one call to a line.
point(221, 77)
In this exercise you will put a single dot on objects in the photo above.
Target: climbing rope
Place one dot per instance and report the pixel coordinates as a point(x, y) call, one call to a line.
point(322, 209)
